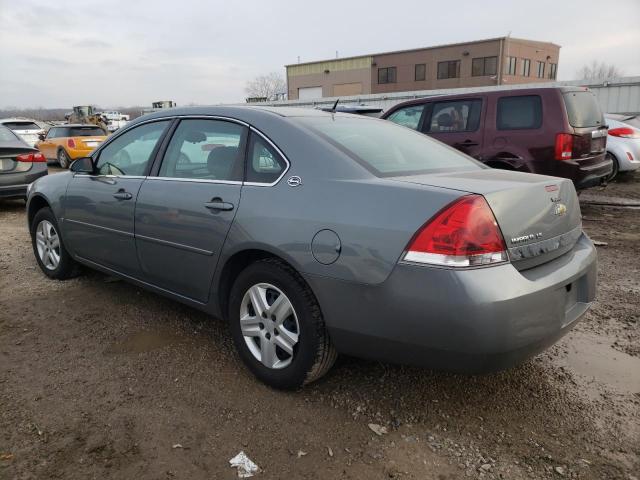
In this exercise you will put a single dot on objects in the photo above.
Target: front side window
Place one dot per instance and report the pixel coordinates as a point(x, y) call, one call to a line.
point(421, 72)
point(519, 112)
point(455, 116)
point(525, 67)
point(386, 149)
point(408, 116)
point(540, 69)
point(449, 69)
point(265, 165)
point(387, 75)
point(130, 153)
point(484, 66)
point(205, 150)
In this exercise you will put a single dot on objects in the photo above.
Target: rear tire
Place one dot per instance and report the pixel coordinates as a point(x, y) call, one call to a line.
point(616, 167)
point(63, 159)
point(48, 247)
point(295, 323)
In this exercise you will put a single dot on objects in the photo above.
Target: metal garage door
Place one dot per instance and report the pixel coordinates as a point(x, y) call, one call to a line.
point(345, 89)
point(308, 93)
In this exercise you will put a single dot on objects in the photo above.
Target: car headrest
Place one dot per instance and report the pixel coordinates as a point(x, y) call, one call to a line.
point(444, 120)
point(195, 137)
point(221, 160)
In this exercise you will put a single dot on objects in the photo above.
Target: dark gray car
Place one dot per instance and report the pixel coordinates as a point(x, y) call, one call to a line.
point(20, 164)
point(315, 233)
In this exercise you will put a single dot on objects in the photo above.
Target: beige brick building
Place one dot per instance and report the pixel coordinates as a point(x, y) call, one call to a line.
point(496, 61)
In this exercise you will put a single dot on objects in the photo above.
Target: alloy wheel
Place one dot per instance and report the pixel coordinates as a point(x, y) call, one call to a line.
point(48, 245)
point(269, 325)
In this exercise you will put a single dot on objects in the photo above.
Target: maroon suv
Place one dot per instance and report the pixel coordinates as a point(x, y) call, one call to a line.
point(557, 131)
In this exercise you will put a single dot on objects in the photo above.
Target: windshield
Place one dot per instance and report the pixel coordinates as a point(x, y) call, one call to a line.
point(583, 109)
point(387, 149)
point(86, 132)
point(22, 126)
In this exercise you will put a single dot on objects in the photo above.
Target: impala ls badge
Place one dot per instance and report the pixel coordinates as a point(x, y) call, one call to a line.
point(294, 181)
point(526, 238)
point(559, 209)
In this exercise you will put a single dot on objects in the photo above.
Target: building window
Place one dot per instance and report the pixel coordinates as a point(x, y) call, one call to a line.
point(421, 72)
point(553, 70)
point(455, 116)
point(510, 66)
point(540, 69)
point(484, 66)
point(387, 75)
point(519, 112)
point(525, 67)
point(449, 69)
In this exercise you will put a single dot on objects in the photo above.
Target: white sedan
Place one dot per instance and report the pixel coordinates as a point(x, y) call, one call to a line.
point(623, 142)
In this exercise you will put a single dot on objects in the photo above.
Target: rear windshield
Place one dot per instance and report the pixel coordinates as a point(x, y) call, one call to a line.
point(387, 149)
point(7, 135)
point(583, 109)
point(22, 126)
point(85, 132)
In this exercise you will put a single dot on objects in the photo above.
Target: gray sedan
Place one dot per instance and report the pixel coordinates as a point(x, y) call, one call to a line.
point(315, 233)
point(20, 164)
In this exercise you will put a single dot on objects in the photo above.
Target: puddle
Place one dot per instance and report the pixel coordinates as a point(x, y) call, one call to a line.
point(593, 358)
point(145, 341)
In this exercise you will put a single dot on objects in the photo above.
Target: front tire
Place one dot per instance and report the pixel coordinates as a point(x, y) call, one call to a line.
point(277, 326)
point(63, 159)
point(48, 247)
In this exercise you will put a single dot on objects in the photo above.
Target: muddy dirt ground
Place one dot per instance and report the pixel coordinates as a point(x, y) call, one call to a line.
point(99, 379)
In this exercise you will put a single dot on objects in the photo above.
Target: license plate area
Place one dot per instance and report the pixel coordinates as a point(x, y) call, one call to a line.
point(7, 164)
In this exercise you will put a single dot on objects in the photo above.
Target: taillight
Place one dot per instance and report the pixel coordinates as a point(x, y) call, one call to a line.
point(564, 146)
point(463, 234)
point(71, 143)
point(31, 157)
point(624, 132)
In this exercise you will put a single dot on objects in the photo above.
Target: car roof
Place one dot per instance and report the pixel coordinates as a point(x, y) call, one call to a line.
point(76, 125)
point(19, 119)
point(501, 91)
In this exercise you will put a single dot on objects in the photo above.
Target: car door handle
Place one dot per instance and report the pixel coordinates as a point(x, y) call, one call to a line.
point(466, 143)
point(122, 195)
point(218, 204)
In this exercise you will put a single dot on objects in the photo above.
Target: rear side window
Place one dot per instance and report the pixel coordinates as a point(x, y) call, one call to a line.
point(408, 116)
point(22, 126)
point(205, 149)
point(583, 109)
point(455, 116)
point(265, 165)
point(519, 112)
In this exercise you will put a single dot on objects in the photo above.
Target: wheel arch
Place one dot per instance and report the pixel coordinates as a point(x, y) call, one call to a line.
point(36, 203)
point(234, 265)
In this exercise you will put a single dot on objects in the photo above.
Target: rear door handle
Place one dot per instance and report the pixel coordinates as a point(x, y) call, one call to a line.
point(122, 195)
point(466, 143)
point(218, 204)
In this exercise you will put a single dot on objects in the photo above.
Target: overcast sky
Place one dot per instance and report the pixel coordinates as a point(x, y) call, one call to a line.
point(59, 53)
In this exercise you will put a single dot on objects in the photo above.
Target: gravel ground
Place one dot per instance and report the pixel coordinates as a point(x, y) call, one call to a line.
point(99, 379)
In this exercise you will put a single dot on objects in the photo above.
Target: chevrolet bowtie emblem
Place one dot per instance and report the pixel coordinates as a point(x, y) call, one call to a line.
point(559, 209)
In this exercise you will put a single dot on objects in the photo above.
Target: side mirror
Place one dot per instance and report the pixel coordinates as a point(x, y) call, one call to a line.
point(82, 165)
point(42, 136)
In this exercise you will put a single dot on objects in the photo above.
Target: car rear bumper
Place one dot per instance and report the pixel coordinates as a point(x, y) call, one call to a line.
point(585, 173)
point(14, 185)
point(472, 320)
point(79, 153)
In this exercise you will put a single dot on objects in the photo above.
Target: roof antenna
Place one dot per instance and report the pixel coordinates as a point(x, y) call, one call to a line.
point(335, 105)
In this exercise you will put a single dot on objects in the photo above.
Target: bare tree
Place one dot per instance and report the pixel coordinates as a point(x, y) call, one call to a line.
point(266, 86)
point(599, 71)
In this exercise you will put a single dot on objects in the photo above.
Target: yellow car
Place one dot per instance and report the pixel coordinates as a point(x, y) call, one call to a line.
point(65, 143)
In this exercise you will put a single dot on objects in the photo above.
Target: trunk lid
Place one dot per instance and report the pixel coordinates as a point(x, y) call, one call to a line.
point(587, 121)
point(8, 163)
point(539, 216)
point(88, 142)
